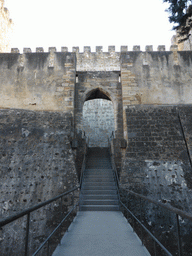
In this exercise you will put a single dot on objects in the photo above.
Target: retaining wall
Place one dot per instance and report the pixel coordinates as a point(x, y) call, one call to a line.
point(37, 163)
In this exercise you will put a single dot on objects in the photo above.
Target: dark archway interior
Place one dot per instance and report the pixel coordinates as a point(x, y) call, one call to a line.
point(97, 94)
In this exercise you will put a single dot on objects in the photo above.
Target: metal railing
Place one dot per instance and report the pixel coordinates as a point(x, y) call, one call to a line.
point(27, 213)
point(178, 213)
point(83, 169)
point(114, 166)
point(84, 158)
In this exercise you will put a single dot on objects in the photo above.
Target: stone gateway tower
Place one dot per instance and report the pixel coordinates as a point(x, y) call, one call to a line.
point(6, 26)
point(48, 101)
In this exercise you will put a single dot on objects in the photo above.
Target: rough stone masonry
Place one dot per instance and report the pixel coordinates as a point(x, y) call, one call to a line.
point(48, 100)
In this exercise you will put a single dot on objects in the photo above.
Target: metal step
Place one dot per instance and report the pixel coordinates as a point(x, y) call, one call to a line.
point(102, 176)
point(99, 208)
point(99, 183)
point(98, 179)
point(88, 187)
point(98, 175)
point(100, 197)
point(107, 171)
point(100, 202)
point(98, 192)
point(98, 166)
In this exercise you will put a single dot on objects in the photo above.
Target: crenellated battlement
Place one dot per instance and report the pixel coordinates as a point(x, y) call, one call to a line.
point(99, 49)
point(141, 76)
point(99, 60)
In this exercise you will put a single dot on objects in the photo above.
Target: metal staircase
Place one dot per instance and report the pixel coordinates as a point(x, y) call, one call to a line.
point(99, 189)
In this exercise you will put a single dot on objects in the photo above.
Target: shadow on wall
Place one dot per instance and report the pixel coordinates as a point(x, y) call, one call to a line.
point(98, 121)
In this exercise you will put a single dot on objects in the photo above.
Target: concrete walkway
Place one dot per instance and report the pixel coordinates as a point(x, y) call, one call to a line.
point(100, 233)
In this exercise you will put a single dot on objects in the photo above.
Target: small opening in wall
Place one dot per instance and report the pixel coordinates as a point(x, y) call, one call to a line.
point(77, 79)
point(119, 78)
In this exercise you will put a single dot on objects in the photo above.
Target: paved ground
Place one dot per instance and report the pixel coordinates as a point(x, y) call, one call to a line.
point(100, 233)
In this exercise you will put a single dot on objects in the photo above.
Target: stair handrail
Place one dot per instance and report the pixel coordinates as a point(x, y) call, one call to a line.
point(162, 205)
point(146, 229)
point(82, 171)
point(28, 211)
point(114, 166)
point(84, 160)
point(120, 202)
point(168, 207)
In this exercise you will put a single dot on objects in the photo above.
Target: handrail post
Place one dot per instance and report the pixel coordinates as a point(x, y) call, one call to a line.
point(48, 248)
point(179, 236)
point(155, 248)
point(141, 221)
point(73, 202)
point(27, 234)
point(73, 198)
point(61, 214)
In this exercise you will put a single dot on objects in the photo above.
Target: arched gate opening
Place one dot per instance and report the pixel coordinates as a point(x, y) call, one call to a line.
point(98, 118)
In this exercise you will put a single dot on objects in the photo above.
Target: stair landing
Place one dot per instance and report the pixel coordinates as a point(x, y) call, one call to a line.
point(99, 233)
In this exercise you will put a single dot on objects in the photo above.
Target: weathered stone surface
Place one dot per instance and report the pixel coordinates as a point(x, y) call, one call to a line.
point(38, 81)
point(185, 115)
point(98, 121)
point(157, 164)
point(157, 161)
point(37, 164)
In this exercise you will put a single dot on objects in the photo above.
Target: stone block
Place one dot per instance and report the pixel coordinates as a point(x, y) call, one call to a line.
point(124, 48)
point(75, 49)
point(14, 50)
point(64, 49)
point(52, 49)
point(39, 49)
point(161, 48)
point(26, 50)
point(111, 48)
point(136, 48)
point(99, 49)
point(149, 48)
point(87, 49)
point(174, 48)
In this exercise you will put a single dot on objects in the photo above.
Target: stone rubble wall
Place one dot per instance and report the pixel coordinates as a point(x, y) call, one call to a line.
point(37, 164)
point(185, 114)
point(157, 162)
point(98, 121)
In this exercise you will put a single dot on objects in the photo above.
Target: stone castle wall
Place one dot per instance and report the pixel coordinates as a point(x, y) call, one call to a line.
point(61, 81)
point(6, 27)
point(42, 95)
point(150, 77)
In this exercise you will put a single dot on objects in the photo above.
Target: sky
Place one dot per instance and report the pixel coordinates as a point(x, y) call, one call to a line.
point(48, 23)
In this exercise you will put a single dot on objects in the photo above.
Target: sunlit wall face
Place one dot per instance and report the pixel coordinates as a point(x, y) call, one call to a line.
point(98, 121)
